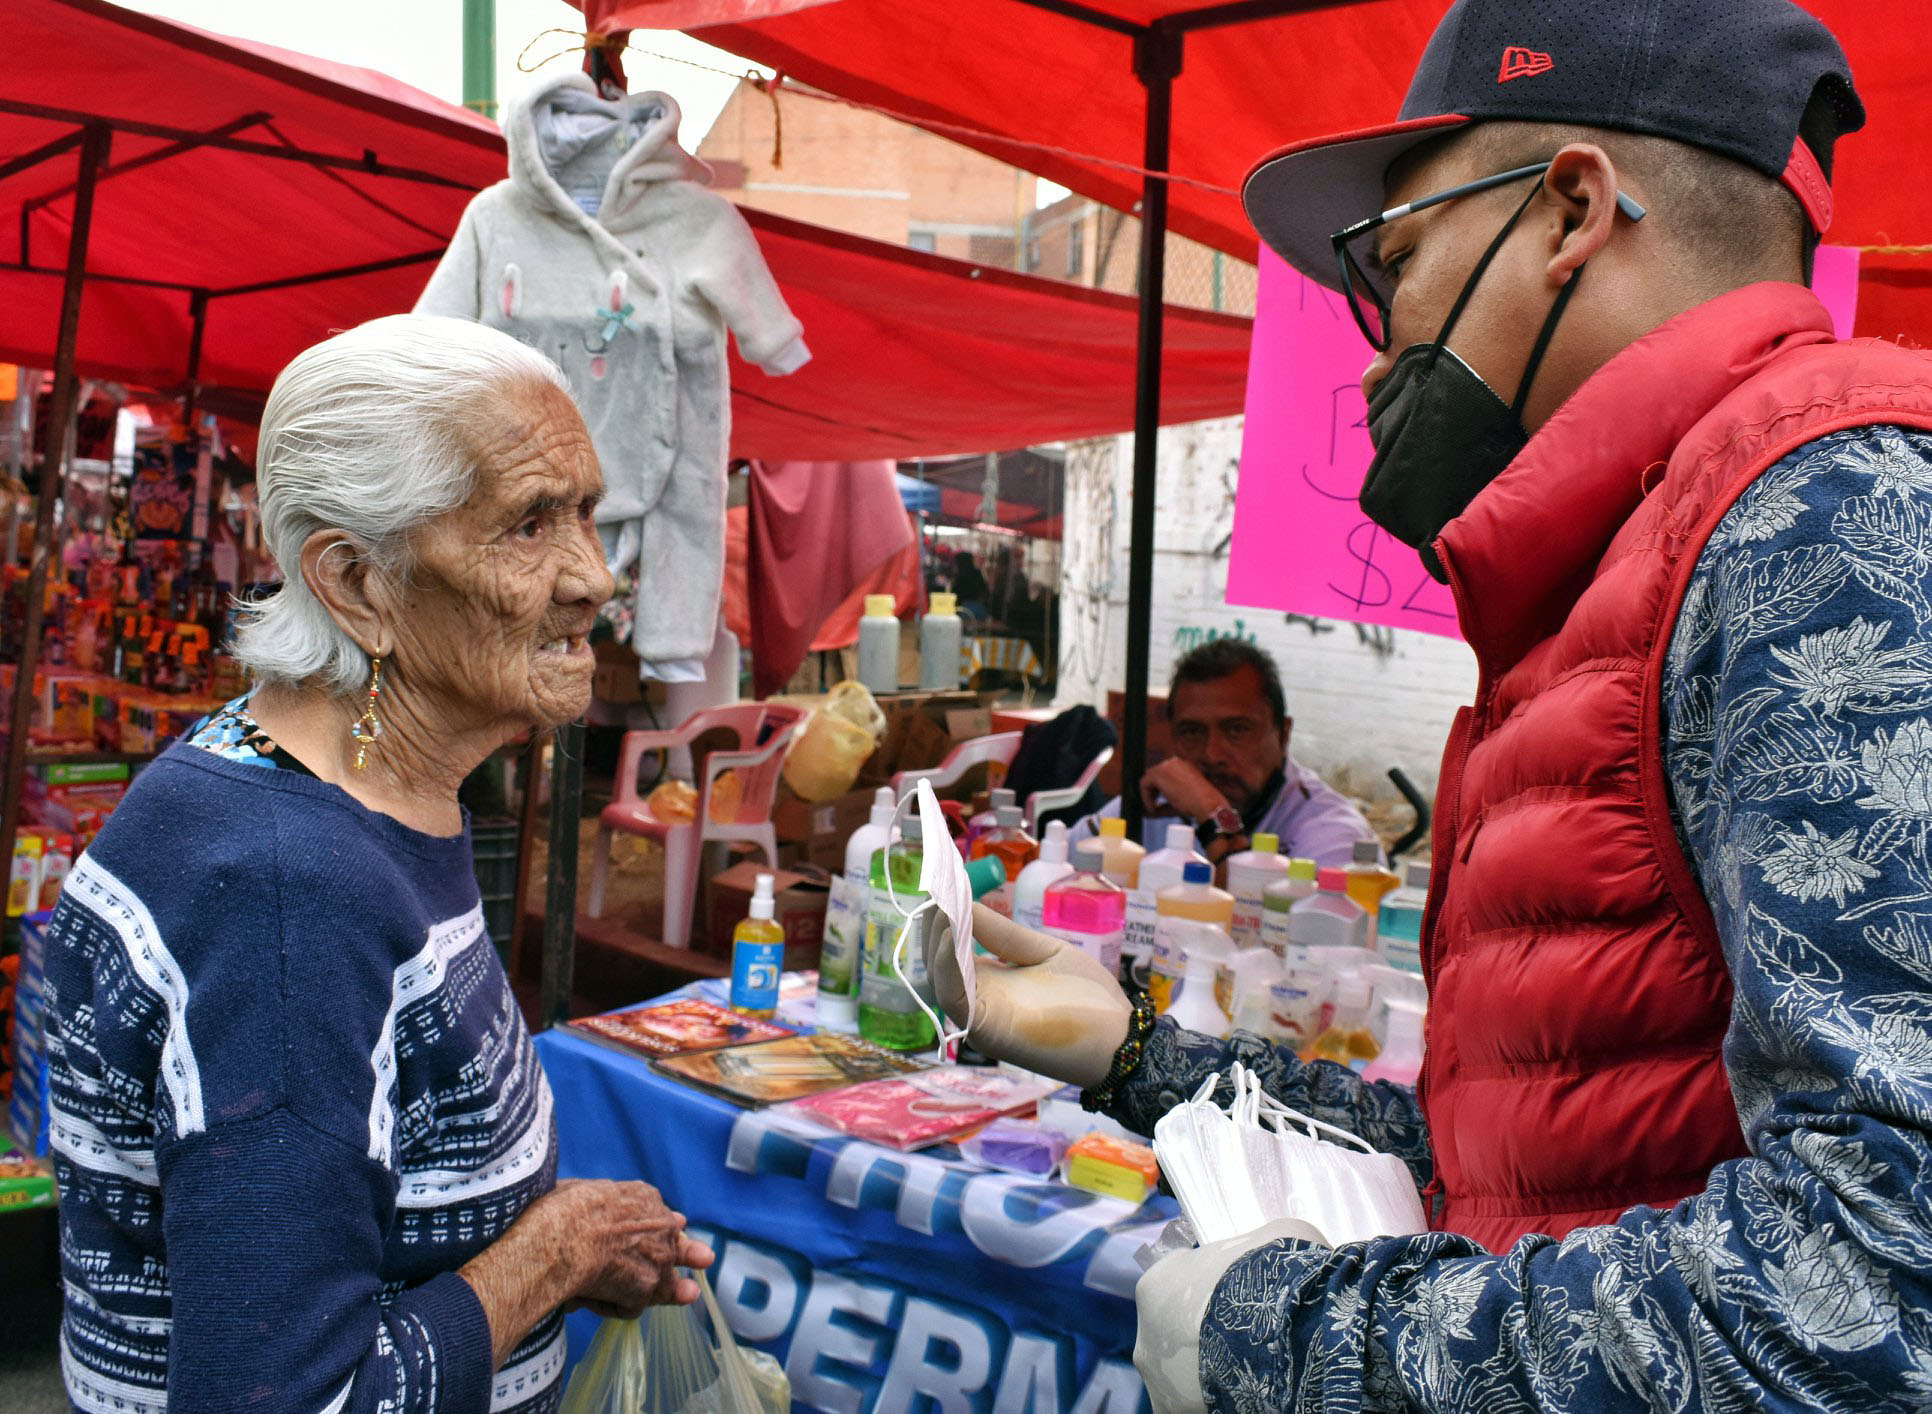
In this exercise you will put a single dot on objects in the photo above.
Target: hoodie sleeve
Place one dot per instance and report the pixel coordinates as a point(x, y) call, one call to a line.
point(457, 286)
point(739, 285)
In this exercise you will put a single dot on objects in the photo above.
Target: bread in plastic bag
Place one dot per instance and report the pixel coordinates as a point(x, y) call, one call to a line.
point(675, 1360)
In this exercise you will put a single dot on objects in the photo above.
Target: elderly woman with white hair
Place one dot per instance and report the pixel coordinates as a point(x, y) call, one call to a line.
point(305, 1150)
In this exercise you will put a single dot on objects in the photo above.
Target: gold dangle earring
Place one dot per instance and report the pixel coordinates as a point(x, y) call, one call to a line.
point(368, 727)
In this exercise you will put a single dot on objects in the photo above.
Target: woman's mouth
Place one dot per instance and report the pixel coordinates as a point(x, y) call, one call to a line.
point(569, 646)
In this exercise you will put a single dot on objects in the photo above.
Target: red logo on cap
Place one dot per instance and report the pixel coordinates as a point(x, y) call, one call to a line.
point(1521, 63)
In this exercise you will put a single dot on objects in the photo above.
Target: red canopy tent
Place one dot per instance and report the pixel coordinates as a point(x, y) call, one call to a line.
point(276, 194)
point(1251, 77)
point(250, 199)
point(1097, 94)
point(916, 355)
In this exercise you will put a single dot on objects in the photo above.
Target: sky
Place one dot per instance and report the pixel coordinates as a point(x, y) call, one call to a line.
point(421, 43)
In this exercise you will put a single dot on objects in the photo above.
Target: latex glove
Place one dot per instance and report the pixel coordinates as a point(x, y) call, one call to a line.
point(1173, 1298)
point(1045, 1005)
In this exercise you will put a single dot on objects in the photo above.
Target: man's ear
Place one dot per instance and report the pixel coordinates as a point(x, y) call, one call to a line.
point(1581, 186)
point(1287, 730)
point(355, 593)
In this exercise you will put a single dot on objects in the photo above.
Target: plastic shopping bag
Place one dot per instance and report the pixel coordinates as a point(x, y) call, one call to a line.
point(675, 1360)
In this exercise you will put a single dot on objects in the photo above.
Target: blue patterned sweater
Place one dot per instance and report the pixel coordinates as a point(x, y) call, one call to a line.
point(1798, 726)
point(292, 1094)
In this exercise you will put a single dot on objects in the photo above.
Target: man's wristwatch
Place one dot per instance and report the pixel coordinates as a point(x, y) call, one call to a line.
point(1225, 821)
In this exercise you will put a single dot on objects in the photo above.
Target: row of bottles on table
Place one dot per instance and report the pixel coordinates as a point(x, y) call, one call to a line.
point(939, 644)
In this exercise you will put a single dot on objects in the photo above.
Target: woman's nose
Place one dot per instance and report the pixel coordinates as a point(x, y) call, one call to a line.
point(586, 578)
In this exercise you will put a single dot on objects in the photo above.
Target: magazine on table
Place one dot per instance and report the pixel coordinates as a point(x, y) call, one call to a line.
point(677, 1027)
point(946, 1102)
point(768, 1072)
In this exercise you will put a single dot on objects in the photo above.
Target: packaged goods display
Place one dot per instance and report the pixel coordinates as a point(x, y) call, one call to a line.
point(879, 645)
point(889, 1011)
point(939, 640)
point(1398, 924)
point(1086, 908)
point(1030, 889)
point(922, 1109)
point(846, 915)
point(676, 1028)
point(1279, 898)
point(1194, 900)
point(768, 1072)
point(1162, 869)
point(1116, 1168)
point(1249, 874)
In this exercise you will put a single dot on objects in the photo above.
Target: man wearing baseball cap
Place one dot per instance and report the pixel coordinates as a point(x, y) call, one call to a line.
point(1680, 942)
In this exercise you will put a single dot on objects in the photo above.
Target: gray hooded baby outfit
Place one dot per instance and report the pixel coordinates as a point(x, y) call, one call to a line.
point(605, 250)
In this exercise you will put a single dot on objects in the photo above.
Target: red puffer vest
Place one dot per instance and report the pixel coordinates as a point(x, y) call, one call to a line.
point(1579, 997)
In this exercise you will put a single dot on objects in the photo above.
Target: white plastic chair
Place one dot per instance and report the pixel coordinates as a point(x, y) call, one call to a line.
point(1044, 802)
point(999, 749)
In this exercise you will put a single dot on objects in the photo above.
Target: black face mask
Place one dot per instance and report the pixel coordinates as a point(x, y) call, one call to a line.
point(1441, 434)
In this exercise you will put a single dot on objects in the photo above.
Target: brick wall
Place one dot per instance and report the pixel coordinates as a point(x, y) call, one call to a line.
point(871, 176)
point(1363, 699)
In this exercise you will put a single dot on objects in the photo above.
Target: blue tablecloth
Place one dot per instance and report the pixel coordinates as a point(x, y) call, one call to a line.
point(887, 1283)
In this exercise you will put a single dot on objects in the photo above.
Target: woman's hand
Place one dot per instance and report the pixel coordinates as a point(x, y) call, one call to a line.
point(629, 1246)
point(1044, 1005)
point(612, 1247)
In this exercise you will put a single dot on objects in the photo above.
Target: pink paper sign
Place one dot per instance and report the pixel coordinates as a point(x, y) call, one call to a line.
point(1301, 543)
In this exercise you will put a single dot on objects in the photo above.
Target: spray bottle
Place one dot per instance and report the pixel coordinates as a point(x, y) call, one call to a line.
point(757, 956)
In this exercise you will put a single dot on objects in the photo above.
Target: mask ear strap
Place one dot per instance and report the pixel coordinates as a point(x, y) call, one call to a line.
point(1543, 342)
point(1482, 268)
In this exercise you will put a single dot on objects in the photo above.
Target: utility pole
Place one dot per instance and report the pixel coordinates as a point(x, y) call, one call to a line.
point(479, 56)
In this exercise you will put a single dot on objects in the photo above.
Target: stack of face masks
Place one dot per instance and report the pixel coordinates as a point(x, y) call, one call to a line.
point(1239, 1169)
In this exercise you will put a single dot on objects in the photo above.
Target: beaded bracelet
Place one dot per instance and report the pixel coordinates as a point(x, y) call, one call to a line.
point(1127, 1058)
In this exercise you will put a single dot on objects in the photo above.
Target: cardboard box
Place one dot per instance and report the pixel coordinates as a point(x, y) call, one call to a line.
point(801, 896)
point(921, 728)
point(820, 831)
point(615, 677)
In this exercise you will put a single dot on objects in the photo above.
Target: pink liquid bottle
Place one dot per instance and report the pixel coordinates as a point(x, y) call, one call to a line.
point(1087, 909)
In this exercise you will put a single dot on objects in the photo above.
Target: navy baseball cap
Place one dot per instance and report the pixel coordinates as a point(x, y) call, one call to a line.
point(1734, 76)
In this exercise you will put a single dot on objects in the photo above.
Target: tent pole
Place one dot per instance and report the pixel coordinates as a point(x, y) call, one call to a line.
point(93, 156)
point(191, 399)
point(560, 901)
point(1157, 62)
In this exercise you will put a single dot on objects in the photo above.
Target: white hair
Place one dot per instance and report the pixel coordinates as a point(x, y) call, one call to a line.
point(371, 433)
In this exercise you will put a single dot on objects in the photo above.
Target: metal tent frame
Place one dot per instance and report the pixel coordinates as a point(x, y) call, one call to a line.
point(92, 136)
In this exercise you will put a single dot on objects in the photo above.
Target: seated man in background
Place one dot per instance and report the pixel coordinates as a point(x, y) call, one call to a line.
point(1231, 776)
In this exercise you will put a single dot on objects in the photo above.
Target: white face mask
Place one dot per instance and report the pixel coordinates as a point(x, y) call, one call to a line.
point(1237, 1170)
point(949, 894)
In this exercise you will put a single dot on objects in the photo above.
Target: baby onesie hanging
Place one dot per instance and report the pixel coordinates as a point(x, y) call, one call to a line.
point(605, 250)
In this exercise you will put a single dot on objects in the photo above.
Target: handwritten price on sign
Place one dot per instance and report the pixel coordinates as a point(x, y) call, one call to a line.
point(1301, 542)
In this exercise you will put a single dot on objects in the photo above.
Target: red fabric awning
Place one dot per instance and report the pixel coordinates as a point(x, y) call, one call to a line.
point(915, 355)
point(231, 165)
point(1028, 71)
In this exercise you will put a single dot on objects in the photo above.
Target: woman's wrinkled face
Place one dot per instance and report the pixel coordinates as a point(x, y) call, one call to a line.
point(494, 626)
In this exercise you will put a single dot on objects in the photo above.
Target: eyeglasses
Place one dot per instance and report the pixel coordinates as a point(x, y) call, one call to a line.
point(1366, 283)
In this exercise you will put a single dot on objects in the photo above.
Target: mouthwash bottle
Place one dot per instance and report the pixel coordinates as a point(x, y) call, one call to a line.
point(888, 1014)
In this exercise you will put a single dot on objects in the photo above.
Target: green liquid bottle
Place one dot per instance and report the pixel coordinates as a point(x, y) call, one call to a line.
point(888, 1014)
